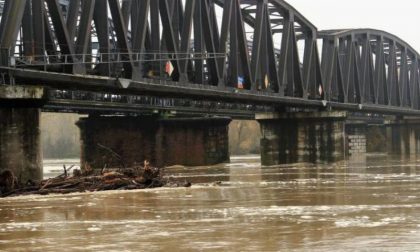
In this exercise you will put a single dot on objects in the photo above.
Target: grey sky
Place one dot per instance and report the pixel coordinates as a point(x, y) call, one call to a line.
point(401, 17)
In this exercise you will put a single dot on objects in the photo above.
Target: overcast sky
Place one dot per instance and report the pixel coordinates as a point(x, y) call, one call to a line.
point(399, 17)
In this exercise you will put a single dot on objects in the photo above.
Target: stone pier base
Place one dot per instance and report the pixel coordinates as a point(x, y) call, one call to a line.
point(403, 137)
point(302, 137)
point(376, 140)
point(394, 137)
point(356, 139)
point(190, 142)
point(20, 146)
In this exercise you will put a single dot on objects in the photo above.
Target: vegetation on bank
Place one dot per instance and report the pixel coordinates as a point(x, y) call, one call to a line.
point(244, 137)
point(60, 136)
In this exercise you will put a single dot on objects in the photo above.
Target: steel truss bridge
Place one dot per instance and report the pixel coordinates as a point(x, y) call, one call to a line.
point(234, 57)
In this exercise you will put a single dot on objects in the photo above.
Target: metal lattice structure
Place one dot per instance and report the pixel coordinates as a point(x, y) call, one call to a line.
point(260, 52)
point(370, 66)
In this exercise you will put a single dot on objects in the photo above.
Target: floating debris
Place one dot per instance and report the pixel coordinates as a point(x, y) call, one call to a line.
point(89, 180)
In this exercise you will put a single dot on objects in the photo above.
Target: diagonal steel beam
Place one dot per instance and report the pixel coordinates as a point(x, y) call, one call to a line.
point(211, 42)
point(9, 28)
point(72, 16)
point(139, 17)
point(27, 33)
point(186, 37)
point(61, 31)
point(102, 31)
point(171, 37)
point(122, 41)
point(257, 42)
point(226, 24)
point(85, 26)
point(243, 46)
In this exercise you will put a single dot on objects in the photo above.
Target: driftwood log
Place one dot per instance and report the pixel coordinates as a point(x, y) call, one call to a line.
point(89, 179)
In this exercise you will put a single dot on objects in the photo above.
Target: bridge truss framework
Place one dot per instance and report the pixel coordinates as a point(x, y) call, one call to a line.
point(255, 52)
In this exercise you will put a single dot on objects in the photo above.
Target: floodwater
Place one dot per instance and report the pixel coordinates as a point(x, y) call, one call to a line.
point(372, 204)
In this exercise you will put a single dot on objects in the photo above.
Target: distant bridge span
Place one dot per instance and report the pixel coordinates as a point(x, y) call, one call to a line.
point(370, 66)
point(190, 49)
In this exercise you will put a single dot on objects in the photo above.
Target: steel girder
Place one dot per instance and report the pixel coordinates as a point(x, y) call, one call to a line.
point(369, 66)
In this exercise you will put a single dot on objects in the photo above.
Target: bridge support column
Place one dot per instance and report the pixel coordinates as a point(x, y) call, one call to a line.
point(189, 141)
point(302, 137)
point(376, 138)
point(403, 137)
point(355, 139)
point(20, 145)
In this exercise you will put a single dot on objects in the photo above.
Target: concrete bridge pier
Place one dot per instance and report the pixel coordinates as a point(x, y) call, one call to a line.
point(356, 137)
point(356, 141)
point(178, 141)
point(403, 136)
point(302, 137)
point(392, 136)
point(20, 146)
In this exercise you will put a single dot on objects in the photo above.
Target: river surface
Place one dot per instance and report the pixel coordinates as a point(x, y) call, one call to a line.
point(372, 204)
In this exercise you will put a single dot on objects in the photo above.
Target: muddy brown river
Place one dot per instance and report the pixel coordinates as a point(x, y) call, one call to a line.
point(370, 204)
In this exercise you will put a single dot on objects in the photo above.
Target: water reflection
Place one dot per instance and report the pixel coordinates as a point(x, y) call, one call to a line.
point(372, 202)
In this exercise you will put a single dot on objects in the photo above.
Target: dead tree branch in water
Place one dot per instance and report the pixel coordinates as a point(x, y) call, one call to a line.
point(129, 180)
point(114, 154)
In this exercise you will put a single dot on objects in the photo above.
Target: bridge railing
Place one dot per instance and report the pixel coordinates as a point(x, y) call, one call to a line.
point(17, 60)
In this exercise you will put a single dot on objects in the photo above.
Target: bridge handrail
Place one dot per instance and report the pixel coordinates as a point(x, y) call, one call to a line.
point(100, 58)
